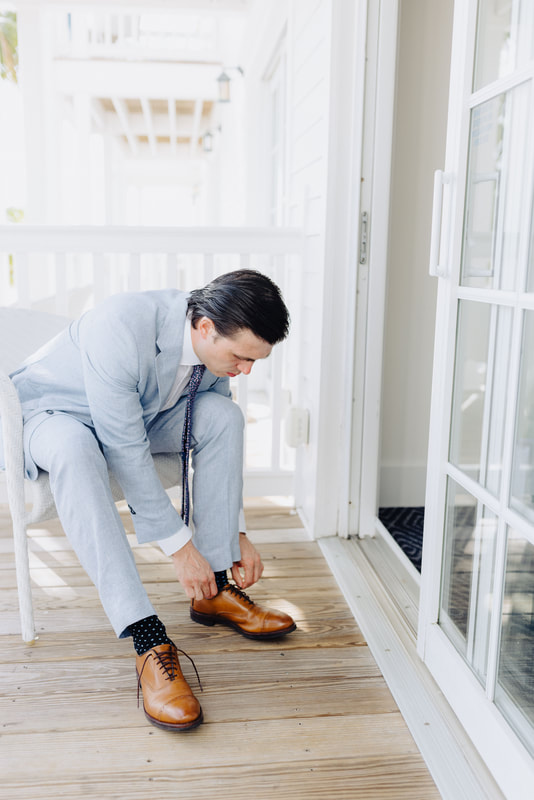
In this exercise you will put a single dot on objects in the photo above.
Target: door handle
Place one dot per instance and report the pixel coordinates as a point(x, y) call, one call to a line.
point(437, 269)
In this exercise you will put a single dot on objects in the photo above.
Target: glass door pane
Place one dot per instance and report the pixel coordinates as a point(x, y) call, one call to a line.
point(530, 278)
point(469, 401)
point(467, 576)
point(514, 693)
point(504, 39)
point(496, 188)
point(522, 492)
point(483, 343)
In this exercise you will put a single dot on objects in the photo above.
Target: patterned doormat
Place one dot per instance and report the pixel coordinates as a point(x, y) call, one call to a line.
point(406, 527)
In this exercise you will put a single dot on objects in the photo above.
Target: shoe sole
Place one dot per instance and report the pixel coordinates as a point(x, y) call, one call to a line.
point(206, 619)
point(174, 727)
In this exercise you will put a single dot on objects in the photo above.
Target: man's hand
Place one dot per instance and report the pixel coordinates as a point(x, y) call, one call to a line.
point(194, 573)
point(250, 563)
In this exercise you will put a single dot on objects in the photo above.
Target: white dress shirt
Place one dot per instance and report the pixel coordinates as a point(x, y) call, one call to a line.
point(187, 362)
point(189, 359)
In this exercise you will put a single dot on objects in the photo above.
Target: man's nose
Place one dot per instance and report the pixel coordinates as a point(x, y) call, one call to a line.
point(245, 367)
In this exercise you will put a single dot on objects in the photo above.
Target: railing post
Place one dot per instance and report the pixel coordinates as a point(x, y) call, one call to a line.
point(208, 268)
point(134, 273)
point(99, 277)
point(22, 279)
point(171, 271)
point(276, 383)
point(60, 274)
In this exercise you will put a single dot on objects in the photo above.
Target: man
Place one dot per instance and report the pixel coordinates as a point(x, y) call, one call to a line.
point(114, 389)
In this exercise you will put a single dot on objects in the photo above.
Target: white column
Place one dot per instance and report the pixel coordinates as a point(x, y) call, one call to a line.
point(82, 127)
point(108, 177)
point(231, 149)
point(35, 86)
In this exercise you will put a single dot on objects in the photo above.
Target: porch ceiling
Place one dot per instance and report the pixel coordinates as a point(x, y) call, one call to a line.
point(173, 124)
point(150, 72)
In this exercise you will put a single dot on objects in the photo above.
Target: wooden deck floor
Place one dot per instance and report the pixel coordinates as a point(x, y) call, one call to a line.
point(307, 717)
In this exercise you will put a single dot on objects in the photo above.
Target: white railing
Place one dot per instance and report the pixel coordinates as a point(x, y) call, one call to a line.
point(66, 270)
point(124, 34)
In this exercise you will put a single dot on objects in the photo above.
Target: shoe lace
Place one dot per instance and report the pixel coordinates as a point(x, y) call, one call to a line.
point(168, 663)
point(239, 593)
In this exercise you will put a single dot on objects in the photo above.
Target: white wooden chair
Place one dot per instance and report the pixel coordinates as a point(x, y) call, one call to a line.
point(22, 332)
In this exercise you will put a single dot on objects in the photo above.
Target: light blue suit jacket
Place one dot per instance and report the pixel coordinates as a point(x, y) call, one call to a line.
point(113, 369)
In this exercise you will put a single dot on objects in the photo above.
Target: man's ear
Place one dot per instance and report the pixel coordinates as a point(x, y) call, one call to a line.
point(205, 327)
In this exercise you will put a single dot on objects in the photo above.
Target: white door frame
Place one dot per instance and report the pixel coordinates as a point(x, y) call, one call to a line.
point(445, 310)
point(341, 274)
point(377, 149)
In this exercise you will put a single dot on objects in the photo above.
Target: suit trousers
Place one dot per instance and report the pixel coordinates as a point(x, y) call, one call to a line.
point(70, 452)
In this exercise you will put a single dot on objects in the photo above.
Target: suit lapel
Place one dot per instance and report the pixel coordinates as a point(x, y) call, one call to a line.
point(169, 345)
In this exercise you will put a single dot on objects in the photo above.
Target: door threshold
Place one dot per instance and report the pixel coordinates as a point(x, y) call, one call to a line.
point(455, 765)
point(396, 572)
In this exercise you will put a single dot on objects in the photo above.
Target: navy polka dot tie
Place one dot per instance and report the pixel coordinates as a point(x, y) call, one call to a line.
point(194, 383)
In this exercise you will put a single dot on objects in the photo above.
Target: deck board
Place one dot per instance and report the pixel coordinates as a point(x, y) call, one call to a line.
point(307, 717)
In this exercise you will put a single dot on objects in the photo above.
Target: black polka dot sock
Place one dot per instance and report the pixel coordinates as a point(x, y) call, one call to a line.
point(221, 579)
point(147, 633)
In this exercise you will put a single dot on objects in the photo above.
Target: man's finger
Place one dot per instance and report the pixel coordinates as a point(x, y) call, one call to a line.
point(236, 574)
point(249, 573)
point(190, 590)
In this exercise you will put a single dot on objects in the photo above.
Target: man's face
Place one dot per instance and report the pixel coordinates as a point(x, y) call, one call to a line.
point(227, 356)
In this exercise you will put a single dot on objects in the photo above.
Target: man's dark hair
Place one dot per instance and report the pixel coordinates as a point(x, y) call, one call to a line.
point(242, 299)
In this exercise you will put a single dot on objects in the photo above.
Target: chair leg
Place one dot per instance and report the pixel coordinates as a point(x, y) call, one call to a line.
point(22, 565)
point(12, 430)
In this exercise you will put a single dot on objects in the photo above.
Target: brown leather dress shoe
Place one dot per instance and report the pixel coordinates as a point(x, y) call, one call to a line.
point(168, 701)
point(234, 608)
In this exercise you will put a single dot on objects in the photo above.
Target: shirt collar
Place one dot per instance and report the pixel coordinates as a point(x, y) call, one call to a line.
point(189, 357)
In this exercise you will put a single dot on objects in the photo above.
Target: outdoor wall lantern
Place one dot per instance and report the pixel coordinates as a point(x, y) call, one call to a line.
point(224, 87)
point(224, 83)
point(207, 142)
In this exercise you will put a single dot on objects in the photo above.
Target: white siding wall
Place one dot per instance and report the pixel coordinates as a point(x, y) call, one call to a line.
point(304, 28)
point(308, 164)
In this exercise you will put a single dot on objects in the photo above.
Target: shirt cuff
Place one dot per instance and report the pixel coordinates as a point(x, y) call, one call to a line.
point(175, 542)
point(242, 523)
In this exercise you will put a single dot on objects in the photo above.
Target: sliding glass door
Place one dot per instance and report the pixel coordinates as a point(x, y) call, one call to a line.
point(477, 603)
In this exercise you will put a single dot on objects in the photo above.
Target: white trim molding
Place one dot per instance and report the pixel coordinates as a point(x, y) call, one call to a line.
point(453, 761)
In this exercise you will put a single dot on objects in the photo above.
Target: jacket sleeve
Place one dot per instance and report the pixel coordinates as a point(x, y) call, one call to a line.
point(110, 353)
point(221, 386)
